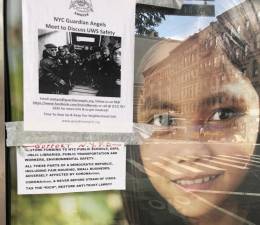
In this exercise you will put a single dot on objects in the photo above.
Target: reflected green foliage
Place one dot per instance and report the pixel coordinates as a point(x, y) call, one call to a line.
point(147, 18)
point(14, 41)
point(96, 208)
point(16, 84)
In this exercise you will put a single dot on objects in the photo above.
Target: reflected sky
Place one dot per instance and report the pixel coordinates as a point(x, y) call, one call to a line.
point(181, 27)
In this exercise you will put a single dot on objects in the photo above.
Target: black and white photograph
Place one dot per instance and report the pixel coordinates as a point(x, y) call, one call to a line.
point(79, 64)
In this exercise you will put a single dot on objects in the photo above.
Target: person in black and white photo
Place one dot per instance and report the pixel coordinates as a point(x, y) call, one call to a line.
point(111, 72)
point(50, 80)
point(81, 64)
point(64, 60)
point(95, 67)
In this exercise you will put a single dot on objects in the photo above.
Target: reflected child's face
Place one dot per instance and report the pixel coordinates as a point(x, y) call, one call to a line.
point(203, 137)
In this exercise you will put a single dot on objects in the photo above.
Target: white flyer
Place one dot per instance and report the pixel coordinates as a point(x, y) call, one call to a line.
point(78, 58)
point(65, 167)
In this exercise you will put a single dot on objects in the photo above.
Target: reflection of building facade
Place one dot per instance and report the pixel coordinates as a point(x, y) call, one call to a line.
point(176, 77)
point(142, 45)
point(138, 92)
point(244, 21)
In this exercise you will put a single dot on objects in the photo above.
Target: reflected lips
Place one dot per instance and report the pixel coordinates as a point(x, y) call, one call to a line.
point(199, 183)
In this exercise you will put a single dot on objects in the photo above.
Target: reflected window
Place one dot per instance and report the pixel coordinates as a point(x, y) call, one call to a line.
point(255, 68)
point(258, 41)
point(247, 24)
point(246, 50)
point(239, 29)
point(237, 53)
point(232, 30)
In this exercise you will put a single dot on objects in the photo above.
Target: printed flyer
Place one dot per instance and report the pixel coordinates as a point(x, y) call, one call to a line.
point(71, 167)
point(78, 65)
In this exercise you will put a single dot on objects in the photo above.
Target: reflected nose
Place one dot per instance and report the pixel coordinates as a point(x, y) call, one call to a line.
point(188, 158)
point(179, 157)
point(193, 152)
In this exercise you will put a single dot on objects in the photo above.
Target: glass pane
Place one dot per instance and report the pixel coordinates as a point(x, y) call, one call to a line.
point(197, 101)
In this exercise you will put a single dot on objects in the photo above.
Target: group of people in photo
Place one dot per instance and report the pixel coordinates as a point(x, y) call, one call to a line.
point(63, 67)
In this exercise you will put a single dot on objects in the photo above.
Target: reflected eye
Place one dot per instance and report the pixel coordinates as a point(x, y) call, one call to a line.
point(223, 114)
point(163, 120)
